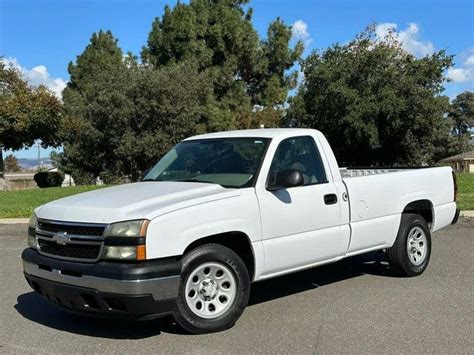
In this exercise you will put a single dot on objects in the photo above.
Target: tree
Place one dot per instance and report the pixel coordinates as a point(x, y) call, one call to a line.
point(204, 69)
point(123, 116)
point(250, 77)
point(97, 106)
point(27, 113)
point(376, 103)
point(11, 164)
point(461, 114)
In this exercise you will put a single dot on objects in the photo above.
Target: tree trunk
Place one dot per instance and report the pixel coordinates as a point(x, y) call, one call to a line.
point(3, 183)
point(1, 161)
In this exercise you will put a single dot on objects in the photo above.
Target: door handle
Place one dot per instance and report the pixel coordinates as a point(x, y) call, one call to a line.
point(330, 199)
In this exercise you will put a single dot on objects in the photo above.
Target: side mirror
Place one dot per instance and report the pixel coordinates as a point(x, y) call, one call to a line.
point(287, 178)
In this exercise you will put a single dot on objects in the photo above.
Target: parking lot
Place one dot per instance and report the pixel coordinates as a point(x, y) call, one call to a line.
point(353, 306)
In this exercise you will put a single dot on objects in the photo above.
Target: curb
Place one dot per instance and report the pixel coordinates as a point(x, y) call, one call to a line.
point(14, 220)
point(467, 214)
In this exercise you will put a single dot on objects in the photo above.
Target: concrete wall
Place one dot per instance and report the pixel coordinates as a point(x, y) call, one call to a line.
point(18, 181)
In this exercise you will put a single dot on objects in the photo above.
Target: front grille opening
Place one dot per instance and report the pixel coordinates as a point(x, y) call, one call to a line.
point(70, 241)
point(74, 251)
point(71, 273)
point(45, 267)
point(74, 304)
point(115, 304)
point(90, 301)
point(71, 228)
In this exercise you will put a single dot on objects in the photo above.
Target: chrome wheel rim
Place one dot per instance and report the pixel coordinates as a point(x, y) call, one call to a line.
point(417, 245)
point(210, 290)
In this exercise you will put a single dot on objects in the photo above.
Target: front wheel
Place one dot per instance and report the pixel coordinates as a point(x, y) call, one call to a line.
point(214, 289)
point(410, 254)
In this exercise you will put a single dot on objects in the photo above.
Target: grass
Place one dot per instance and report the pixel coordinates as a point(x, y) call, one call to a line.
point(22, 203)
point(14, 204)
point(465, 191)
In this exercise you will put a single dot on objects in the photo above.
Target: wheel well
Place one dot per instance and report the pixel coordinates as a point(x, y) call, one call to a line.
point(239, 242)
point(422, 207)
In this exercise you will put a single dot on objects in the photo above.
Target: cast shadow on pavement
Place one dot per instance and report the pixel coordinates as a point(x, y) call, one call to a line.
point(35, 308)
point(373, 263)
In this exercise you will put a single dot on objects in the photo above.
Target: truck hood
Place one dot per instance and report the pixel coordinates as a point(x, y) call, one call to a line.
point(132, 201)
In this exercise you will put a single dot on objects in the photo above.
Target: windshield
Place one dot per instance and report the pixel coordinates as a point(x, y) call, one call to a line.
point(230, 162)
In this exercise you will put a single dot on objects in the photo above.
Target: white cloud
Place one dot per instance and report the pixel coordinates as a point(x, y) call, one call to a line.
point(38, 76)
point(460, 75)
point(409, 38)
point(464, 72)
point(299, 31)
point(383, 29)
point(470, 60)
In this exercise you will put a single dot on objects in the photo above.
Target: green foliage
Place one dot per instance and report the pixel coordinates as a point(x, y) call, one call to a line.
point(96, 104)
point(63, 164)
point(48, 179)
point(27, 113)
point(461, 114)
point(122, 116)
point(218, 38)
point(22, 203)
point(11, 164)
point(465, 191)
point(204, 69)
point(376, 103)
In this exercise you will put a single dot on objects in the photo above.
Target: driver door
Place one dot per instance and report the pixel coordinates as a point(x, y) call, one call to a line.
point(300, 225)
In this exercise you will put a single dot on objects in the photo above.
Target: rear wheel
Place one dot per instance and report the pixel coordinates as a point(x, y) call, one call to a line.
point(410, 254)
point(214, 289)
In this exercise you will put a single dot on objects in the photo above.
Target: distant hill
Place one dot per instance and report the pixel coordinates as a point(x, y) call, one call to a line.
point(32, 164)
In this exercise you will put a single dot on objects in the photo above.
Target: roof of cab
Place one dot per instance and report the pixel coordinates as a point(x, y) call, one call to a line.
point(257, 133)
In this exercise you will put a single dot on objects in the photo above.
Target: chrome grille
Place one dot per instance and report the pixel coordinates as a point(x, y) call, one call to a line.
point(75, 229)
point(70, 241)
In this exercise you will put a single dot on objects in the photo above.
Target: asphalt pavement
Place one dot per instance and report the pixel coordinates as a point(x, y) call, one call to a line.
point(354, 306)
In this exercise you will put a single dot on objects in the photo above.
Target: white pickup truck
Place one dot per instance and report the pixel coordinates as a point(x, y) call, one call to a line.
point(220, 211)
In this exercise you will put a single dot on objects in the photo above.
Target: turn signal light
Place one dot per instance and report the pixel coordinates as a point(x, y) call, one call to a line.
point(141, 252)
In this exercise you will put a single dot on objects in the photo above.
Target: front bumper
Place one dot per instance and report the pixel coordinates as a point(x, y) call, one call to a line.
point(126, 290)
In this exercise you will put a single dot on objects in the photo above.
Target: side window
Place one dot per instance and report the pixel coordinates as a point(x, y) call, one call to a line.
point(299, 153)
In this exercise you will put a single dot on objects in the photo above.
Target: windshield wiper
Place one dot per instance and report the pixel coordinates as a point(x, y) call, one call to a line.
point(196, 180)
point(186, 180)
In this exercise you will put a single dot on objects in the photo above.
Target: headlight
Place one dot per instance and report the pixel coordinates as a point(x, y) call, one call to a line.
point(32, 243)
point(126, 240)
point(135, 228)
point(33, 221)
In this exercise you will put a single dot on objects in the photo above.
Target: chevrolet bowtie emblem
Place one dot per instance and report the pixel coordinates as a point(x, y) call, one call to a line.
point(61, 238)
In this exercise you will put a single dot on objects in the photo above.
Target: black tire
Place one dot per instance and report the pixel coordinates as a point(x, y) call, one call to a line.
point(398, 254)
point(192, 260)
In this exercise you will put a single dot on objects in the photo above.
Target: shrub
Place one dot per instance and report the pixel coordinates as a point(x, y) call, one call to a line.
point(48, 179)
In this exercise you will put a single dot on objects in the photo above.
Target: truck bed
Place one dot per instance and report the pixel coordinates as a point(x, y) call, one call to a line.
point(377, 197)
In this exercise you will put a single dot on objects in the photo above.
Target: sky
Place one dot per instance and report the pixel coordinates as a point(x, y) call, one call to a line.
point(41, 37)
